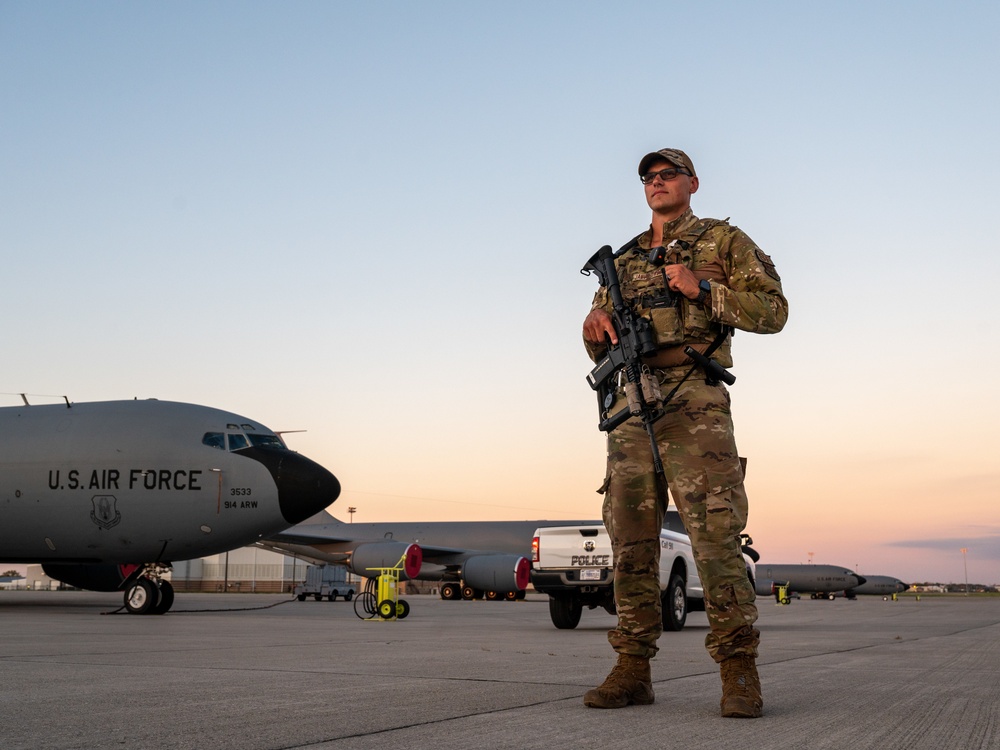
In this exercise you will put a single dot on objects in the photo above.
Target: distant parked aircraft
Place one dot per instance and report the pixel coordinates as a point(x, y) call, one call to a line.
point(879, 586)
point(821, 581)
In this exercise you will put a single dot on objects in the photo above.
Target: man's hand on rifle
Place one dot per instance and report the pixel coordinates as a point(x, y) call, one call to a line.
point(597, 324)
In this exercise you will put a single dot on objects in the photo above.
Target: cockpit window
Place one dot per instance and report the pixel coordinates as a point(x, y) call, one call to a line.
point(214, 440)
point(237, 441)
point(265, 441)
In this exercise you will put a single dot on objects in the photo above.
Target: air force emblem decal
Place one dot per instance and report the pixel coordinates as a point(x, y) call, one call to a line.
point(105, 513)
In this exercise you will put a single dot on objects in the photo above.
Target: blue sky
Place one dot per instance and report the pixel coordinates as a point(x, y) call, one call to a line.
point(367, 221)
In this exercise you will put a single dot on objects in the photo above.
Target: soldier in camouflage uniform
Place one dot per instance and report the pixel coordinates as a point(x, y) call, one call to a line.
point(722, 279)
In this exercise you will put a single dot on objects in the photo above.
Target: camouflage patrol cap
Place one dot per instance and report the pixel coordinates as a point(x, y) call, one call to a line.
point(673, 155)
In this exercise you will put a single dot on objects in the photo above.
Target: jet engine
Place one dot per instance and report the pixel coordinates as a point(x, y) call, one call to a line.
point(386, 555)
point(500, 573)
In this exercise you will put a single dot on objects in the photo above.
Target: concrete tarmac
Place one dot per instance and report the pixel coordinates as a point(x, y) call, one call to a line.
point(220, 672)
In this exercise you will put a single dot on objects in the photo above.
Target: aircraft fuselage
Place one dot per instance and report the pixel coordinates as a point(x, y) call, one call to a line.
point(806, 579)
point(145, 481)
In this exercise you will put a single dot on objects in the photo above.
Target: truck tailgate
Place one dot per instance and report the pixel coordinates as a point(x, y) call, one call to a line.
point(574, 547)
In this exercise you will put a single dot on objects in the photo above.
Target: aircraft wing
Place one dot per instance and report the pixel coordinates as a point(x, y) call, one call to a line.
point(295, 536)
point(487, 555)
point(325, 539)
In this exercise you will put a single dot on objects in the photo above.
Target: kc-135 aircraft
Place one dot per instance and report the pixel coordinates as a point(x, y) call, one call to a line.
point(824, 581)
point(106, 494)
point(878, 586)
point(472, 559)
point(821, 581)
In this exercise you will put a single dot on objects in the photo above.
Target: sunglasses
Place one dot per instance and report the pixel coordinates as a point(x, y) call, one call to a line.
point(664, 174)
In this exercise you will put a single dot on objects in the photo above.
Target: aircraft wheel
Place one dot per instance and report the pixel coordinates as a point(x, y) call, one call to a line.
point(386, 609)
point(402, 609)
point(166, 599)
point(493, 596)
point(141, 597)
point(512, 596)
point(450, 591)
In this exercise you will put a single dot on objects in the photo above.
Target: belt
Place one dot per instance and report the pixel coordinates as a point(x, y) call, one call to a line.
point(673, 356)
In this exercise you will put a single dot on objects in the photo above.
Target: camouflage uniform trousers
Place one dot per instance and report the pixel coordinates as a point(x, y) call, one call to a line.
point(705, 477)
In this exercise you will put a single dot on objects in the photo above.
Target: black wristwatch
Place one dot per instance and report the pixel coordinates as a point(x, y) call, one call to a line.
point(704, 292)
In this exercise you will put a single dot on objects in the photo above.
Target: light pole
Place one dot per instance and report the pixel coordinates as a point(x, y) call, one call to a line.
point(965, 565)
point(350, 511)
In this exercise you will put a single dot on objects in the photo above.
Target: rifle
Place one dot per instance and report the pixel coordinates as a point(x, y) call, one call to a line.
point(636, 339)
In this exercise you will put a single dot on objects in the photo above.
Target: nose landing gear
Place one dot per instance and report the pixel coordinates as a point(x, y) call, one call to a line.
point(150, 593)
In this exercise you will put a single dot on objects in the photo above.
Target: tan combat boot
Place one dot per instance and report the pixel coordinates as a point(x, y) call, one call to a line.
point(741, 696)
point(629, 682)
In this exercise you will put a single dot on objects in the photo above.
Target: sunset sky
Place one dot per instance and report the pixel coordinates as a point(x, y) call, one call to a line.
point(367, 220)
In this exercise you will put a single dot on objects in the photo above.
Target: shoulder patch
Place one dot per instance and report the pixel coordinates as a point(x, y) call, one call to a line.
point(767, 263)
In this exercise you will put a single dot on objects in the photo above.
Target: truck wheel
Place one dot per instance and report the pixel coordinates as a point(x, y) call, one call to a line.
point(348, 595)
point(565, 612)
point(674, 604)
point(301, 597)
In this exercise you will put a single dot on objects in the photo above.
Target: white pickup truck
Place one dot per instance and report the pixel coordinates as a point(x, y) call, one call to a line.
point(574, 566)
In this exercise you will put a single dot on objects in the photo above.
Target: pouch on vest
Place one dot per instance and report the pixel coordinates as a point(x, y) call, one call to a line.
point(666, 322)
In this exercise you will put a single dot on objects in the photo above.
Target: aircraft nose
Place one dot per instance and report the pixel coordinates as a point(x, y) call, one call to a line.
point(861, 579)
point(304, 487)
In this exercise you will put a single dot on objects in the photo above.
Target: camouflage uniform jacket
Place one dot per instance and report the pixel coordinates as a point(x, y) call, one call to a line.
point(746, 289)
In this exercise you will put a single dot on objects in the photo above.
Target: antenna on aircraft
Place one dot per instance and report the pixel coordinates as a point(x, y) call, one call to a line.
point(24, 397)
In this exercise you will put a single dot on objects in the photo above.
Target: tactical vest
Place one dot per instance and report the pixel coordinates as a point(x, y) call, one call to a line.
point(642, 285)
